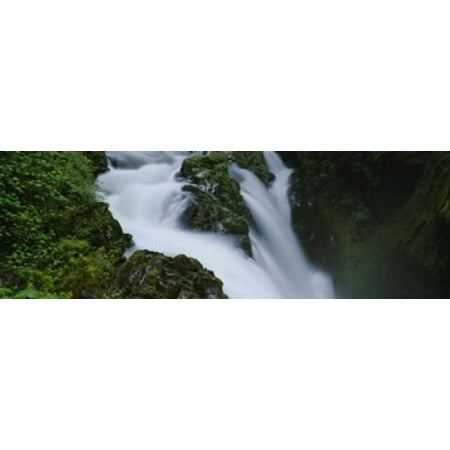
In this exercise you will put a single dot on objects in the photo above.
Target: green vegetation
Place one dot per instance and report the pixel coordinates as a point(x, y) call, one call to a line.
point(216, 201)
point(379, 221)
point(153, 275)
point(57, 240)
point(255, 162)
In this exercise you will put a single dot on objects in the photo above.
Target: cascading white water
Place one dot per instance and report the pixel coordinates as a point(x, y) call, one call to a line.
point(147, 199)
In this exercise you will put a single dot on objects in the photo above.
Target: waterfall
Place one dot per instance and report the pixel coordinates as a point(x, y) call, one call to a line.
point(146, 197)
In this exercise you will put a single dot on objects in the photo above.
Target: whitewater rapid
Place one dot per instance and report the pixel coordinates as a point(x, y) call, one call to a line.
point(145, 195)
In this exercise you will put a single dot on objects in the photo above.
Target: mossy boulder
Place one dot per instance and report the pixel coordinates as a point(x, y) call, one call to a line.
point(216, 204)
point(378, 221)
point(153, 275)
point(255, 162)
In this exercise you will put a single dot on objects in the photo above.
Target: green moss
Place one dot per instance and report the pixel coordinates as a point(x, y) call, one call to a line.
point(98, 160)
point(153, 275)
point(377, 220)
point(216, 201)
point(255, 162)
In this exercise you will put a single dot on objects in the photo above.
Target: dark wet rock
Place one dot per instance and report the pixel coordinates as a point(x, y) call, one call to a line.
point(255, 162)
point(216, 203)
point(378, 221)
point(153, 275)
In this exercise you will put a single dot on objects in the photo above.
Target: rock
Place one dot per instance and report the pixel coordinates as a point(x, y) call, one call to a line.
point(255, 162)
point(153, 275)
point(216, 201)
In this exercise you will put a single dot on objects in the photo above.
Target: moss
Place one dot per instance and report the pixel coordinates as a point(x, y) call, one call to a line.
point(98, 160)
point(152, 275)
point(377, 220)
point(216, 201)
point(255, 162)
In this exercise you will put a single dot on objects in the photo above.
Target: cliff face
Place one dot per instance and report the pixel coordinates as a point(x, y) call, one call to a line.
point(378, 221)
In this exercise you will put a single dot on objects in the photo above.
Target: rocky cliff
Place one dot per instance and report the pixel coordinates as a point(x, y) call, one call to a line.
point(378, 221)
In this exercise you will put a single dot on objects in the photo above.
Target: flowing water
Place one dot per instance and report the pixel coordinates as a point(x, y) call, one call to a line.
point(146, 197)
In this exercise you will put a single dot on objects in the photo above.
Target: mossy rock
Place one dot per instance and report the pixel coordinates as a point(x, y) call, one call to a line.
point(100, 229)
point(255, 162)
point(378, 221)
point(153, 275)
point(216, 204)
point(98, 160)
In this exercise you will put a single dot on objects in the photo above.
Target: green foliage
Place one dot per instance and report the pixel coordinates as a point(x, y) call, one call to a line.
point(5, 292)
point(32, 293)
point(216, 201)
point(42, 193)
point(98, 161)
point(52, 228)
point(82, 270)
